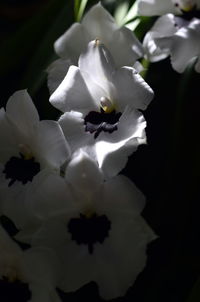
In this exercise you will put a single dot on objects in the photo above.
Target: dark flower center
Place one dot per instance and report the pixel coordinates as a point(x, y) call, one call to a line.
point(95, 122)
point(14, 291)
point(182, 21)
point(89, 230)
point(21, 169)
point(194, 13)
point(186, 16)
point(8, 225)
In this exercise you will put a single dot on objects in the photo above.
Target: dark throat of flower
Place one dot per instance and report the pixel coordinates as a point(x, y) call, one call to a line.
point(96, 122)
point(8, 225)
point(89, 230)
point(21, 169)
point(187, 15)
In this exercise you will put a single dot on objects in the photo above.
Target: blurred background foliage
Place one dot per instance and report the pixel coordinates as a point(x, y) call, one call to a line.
point(167, 169)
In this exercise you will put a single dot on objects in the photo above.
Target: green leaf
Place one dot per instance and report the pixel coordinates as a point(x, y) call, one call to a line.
point(145, 63)
point(76, 8)
point(80, 6)
point(143, 26)
point(133, 25)
point(131, 14)
point(121, 12)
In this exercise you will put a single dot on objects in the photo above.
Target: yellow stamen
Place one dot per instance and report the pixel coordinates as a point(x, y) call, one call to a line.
point(25, 151)
point(106, 105)
point(187, 6)
point(89, 213)
point(12, 273)
point(97, 42)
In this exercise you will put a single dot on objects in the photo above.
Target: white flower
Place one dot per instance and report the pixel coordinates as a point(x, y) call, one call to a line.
point(177, 37)
point(161, 7)
point(96, 24)
point(29, 275)
point(100, 102)
point(28, 146)
point(99, 234)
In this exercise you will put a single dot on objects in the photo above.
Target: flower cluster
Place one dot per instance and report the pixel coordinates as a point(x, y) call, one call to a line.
point(175, 33)
point(60, 184)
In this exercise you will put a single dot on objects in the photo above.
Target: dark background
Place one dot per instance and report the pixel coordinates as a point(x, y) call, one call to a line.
point(167, 169)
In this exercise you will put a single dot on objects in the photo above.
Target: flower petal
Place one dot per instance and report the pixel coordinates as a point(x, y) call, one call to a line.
point(155, 7)
point(97, 62)
point(50, 144)
point(131, 125)
point(41, 265)
point(41, 269)
point(81, 268)
point(163, 27)
point(41, 293)
point(77, 265)
point(83, 173)
point(48, 196)
point(56, 73)
point(21, 111)
point(99, 24)
point(121, 196)
point(184, 45)
point(128, 54)
point(124, 254)
point(73, 127)
point(132, 89)
point(13, 202)
point(112, 150)
point(72, 43)
point(73, 94)
point(97, 67)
